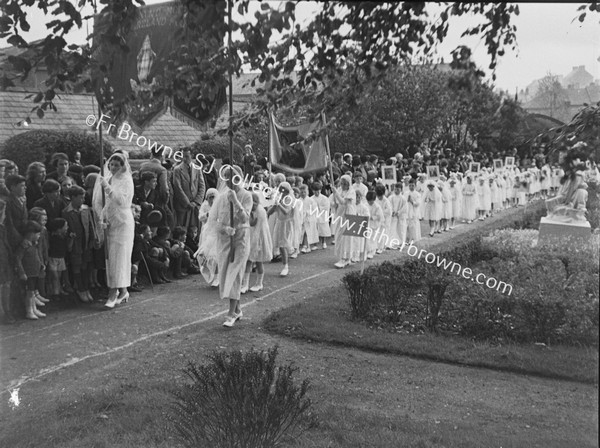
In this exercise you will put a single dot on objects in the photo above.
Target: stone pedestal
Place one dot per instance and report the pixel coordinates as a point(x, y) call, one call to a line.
point(551, 230)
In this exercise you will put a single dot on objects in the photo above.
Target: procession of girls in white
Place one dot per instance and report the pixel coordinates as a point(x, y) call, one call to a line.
point(300, 219)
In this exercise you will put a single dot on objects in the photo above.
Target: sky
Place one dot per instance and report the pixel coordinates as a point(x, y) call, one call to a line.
point(548, 39)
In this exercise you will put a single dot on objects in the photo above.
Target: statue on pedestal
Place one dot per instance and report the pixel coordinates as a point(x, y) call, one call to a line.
point(569, 205)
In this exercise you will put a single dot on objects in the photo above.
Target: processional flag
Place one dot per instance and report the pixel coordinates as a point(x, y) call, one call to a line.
point(153, 33)
point(291, 150)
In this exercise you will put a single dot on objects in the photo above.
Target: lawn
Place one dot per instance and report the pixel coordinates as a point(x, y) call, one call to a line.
point(326, 318)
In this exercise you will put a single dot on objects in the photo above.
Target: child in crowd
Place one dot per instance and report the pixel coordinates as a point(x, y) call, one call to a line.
point(181, 254)
point(260, 245)
point(66, 183)
point(161, 242)
point(6, 268)
point(386, 207)
point(413, 200)
point(283, 232)
point(298, 214)
point(399, 209)
point(470, 201)
point(456, 199)
point(375, 222)
point(446, 215)
point(29, 266)
point(142, 250)
point(16, 208)
point(82, 227)
point(431, 202)
point(308, 231)
point(38, 215)
point(359, 245)
point(321, 212)
point(191, 239)
point(59, 244)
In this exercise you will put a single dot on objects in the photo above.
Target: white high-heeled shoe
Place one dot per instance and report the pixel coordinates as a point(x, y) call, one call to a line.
point(110, 303)
point(123, 299)
point(257, 288)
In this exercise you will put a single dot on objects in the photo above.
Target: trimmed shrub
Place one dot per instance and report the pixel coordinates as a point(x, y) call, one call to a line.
point(593, 205)
point(240, 400)
point(218, 147)
point(40, 145)
point(553, 296)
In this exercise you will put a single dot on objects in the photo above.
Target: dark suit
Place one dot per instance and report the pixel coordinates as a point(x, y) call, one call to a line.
point(16, 217)
point(53, 210)
point(139, 196)
point(188, 189)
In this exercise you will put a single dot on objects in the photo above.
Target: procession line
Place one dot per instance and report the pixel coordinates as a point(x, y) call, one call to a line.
point(15, 384)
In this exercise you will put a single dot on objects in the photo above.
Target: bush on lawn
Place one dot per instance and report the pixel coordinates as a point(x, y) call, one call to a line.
point(543, 293)
point(240, 400)
point(40, 145)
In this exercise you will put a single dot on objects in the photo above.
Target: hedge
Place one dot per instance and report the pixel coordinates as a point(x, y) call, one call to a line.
point(40, 145)
point(553, 296)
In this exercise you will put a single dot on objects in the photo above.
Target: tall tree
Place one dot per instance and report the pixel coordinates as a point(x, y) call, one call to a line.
point(552, 96)
point(359, 39)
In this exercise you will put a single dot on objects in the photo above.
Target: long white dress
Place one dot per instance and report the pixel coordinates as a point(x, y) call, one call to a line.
point(347, 206)
point(121, 229)
point(231, 273)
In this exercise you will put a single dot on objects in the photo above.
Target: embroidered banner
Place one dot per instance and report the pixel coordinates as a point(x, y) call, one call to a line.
point(290, 150)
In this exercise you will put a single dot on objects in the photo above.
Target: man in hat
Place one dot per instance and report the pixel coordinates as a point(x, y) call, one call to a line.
point(188, 190)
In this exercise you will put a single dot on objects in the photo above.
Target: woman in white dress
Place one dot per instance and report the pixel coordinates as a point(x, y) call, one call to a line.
point(230, 237)
point(116, 218)
point(345, 200)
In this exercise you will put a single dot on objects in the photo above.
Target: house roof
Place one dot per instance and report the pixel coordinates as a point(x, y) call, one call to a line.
point(71, 116)
point(579, 77)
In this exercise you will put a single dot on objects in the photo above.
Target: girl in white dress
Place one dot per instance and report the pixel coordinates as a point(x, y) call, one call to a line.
point(359, 245)
point(399, 215)
point(261, 249)
point(205, 254)
point(298, 218)
point(283, 232)
point(431, 202)
point(322, 213)
point(456, 201)
point(309, 235)
point(376, 219)
point(345, 200)
point(386, 207)
point(413, 200)
point(117, 218)
point(446, 214)
point(470, 200)
point(484, 198)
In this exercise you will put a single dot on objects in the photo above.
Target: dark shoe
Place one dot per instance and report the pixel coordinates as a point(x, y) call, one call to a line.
point(166, 280)
point(134, 288)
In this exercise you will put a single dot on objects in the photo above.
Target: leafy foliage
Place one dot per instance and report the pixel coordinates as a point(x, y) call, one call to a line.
point(553, 294)
point(32, 146)
point(240, 400)
point(361, 39)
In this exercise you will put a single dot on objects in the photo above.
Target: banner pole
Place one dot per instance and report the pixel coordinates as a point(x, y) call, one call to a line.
point(103, 174)
point(269, 152)
point(232, 249)
point(330, 162)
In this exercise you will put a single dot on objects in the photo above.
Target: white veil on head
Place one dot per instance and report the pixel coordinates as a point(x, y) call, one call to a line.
point(98, 198)
point(122, 156)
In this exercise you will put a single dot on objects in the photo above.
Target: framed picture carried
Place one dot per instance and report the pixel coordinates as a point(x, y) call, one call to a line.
point(509, 161)
point(498, 165)
point(433, 172)
point(474, 167)
point(388, 174)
